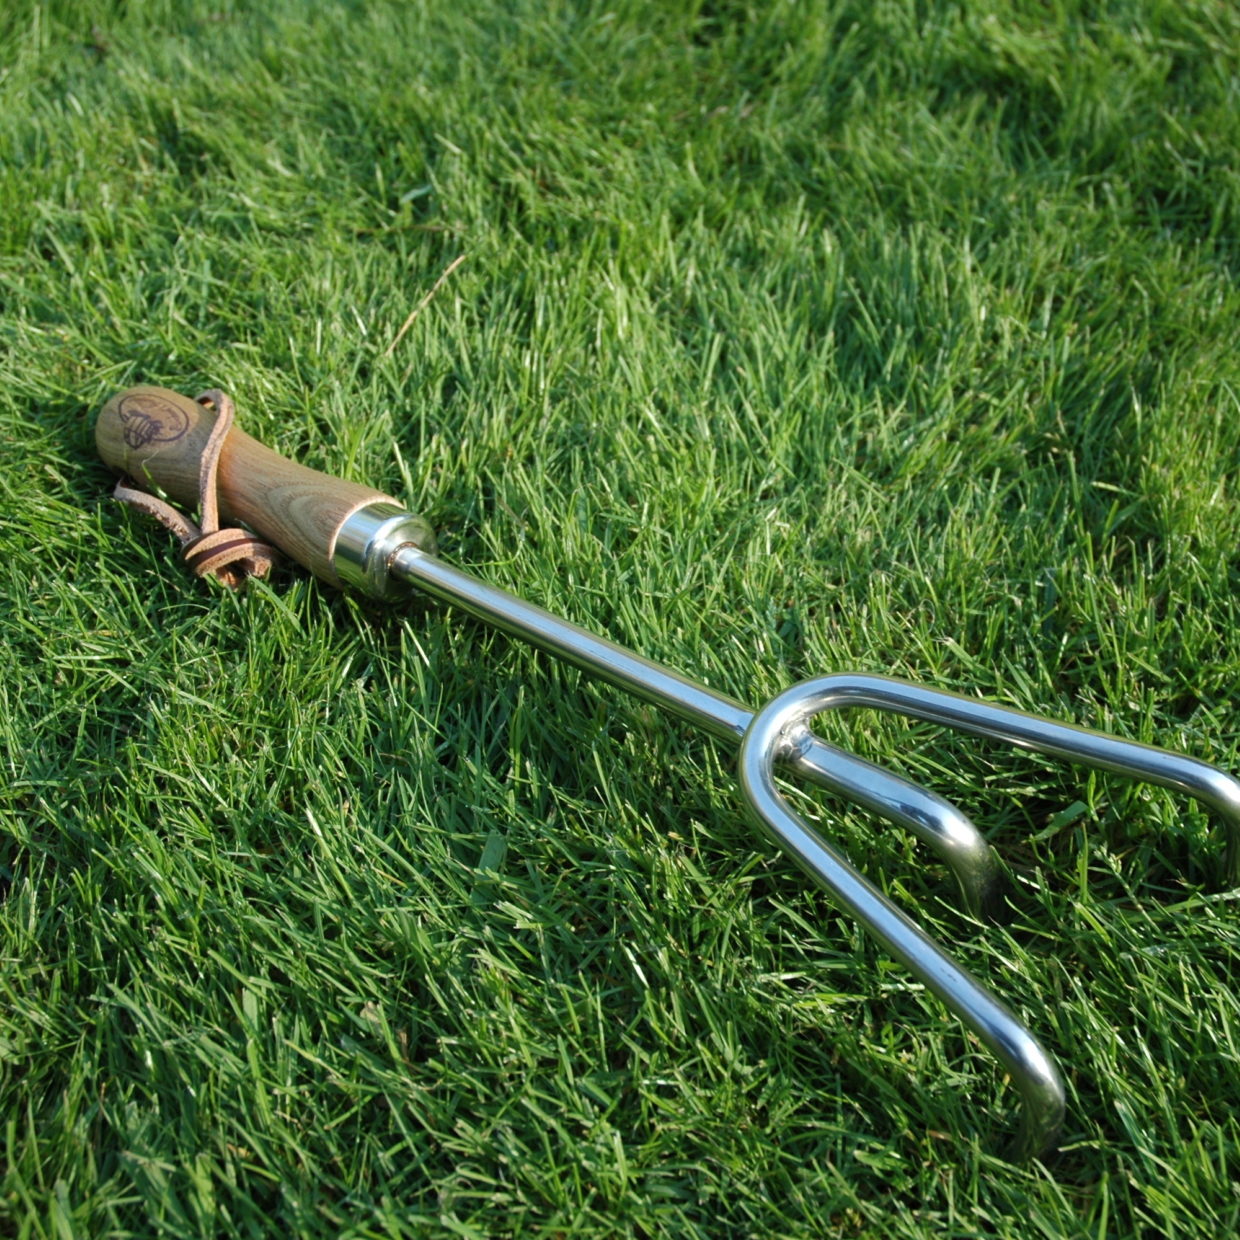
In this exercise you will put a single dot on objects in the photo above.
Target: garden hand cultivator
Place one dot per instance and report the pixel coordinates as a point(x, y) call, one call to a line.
point(350, 535)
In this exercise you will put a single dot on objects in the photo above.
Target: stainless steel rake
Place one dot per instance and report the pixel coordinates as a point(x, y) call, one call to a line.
point(352, 536)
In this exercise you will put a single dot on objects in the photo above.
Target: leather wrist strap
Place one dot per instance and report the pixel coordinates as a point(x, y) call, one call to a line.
point(230, 555)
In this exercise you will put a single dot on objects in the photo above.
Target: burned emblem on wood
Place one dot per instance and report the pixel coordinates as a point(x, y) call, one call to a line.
point(148, 418)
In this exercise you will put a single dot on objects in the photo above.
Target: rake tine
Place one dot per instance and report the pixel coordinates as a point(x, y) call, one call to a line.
point(1081, 746)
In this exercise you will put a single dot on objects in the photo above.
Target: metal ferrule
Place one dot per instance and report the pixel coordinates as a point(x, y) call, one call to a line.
point(367, 541)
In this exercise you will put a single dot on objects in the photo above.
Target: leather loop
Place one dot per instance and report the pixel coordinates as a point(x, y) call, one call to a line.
point(230, 555)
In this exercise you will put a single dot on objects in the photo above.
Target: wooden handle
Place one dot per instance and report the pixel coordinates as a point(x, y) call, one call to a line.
point(157, 437)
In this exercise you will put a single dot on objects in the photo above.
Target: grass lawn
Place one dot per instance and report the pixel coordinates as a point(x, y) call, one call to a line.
point(789, 338)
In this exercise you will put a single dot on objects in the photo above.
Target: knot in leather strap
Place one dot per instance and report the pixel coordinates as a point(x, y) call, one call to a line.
point(230, 555)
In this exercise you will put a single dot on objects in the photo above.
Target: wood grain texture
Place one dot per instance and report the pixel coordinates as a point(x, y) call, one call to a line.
point(157, 436)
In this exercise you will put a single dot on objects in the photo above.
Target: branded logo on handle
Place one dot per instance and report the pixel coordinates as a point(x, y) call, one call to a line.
point(148, 419)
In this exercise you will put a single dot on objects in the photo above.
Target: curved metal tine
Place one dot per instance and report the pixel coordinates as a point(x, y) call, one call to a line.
point(936, 822)
point(1199, 780)
point(776, 732)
